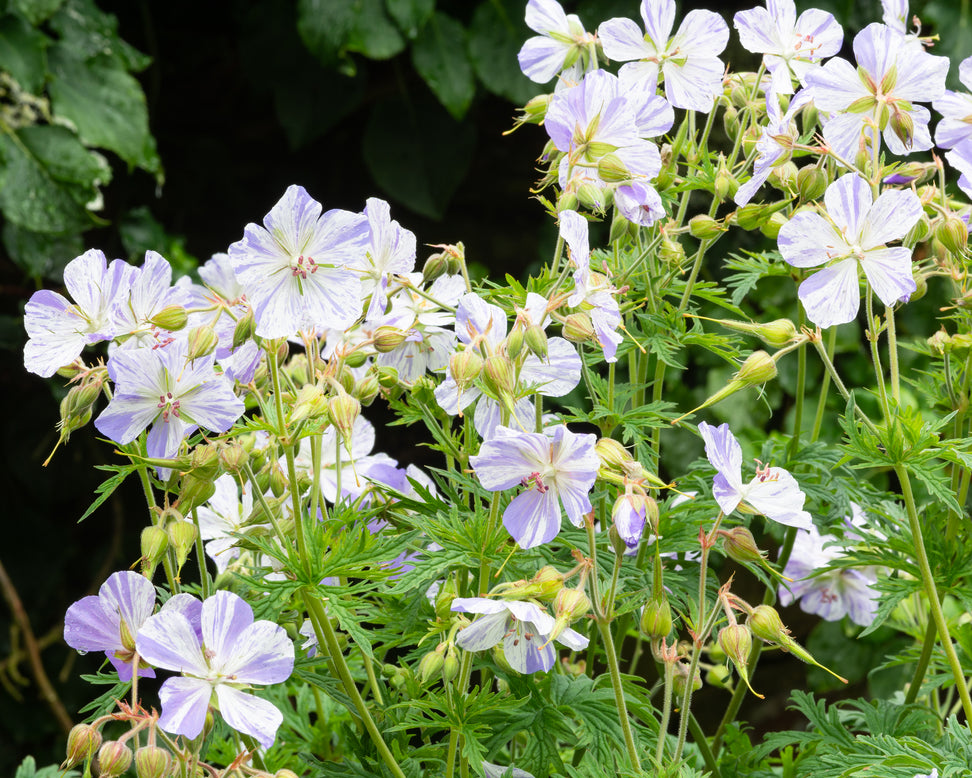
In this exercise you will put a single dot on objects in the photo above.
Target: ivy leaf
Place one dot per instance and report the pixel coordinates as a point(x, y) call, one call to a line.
point(106, 104)
point(23, 53)
point(495, 35)
point(439, 56)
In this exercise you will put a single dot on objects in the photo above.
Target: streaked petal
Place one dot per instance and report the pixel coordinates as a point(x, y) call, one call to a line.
point(833, 295)
point(249, 714)
point(184, 705)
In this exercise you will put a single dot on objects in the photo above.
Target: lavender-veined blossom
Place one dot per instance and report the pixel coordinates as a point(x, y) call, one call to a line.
point(955, 108)
point(688, 61)
point(220, 656)
point(830, 594)
point(522, 627)
point(562, 40)
point(592, 292)
point(882, 91)
point(162, 388)
point(111, 620)
point(297, 268)
point(150, 291)
point(773, 492)
point(775, 143)
point(961, 159)
point(59, 329)
point(390, 250)
point(554, 469)
point(896, 16)
point(853, 235)
point(222, 518)
point(791, 45)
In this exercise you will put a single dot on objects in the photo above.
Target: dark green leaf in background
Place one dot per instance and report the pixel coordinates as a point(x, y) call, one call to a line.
point(23, 53)
point(410, 15)
point(439, 55)
point(324, 26)
point(373, 33)
point(496, 33)
point(40, 254)
point(36, 11)
point(89, 32)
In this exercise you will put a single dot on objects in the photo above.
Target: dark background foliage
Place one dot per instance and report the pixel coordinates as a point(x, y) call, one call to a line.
point(402, 99)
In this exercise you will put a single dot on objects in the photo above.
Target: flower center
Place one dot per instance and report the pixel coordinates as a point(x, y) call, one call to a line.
point(168, 405)
point(304, 266)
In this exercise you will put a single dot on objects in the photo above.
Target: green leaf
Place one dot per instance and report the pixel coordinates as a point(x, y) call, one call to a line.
point(417, 153)
point(439, 56)
point(23, 53)
point(410, 15)
point(66, 158)
point(324, 26)
point(106, 488)
point(41, 254)
point(496, 32)
point(31, 198)
point(106, 104)
point(373, 32)
point(89, 32)
point(36, 11)
point(28, 769)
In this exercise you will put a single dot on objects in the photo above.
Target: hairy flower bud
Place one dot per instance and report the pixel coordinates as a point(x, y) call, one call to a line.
point(204, 461)
point(953, 233)
point(758, 368)
point(705, 227)
point(202, 342)
point(740, 545)
point(154, 542)
point(233, 457)
point(310, 403)
point(812, 182)
point(545, 585)
point(114, 758)
point(83, 740)
point(450, 666)
point(431, 664)
point(499, 376)
point(366, 389)
point(152, 762)
point(593, 197)
point(578, 328)
point(737, 641)
point(344, 411)
point(514, 343)
point(671, 252)
point(182, 537)
point(465, 366)
point(243, 331)
point(613, 455)
point(611, 169)
point(536, 341)
point(656, 618)
point(387, 339)
point(172, 318)
point(681, 679)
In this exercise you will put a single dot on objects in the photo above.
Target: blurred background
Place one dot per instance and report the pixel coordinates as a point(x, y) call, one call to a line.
point(131, 125)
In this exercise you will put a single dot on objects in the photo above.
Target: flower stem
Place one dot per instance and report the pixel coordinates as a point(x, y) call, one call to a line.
point(465, 668)
point(612, 659)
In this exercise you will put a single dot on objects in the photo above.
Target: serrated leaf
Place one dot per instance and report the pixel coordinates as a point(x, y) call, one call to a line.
point(410, 15)
point(40, 254)
point(106, 104)
point(439, 55)
point(36, 11)
point(417, 153)
point(105, 489)
point(324, 26)
point(23, 53)
point(496, 33)
point(89, 32)
point(373, 33)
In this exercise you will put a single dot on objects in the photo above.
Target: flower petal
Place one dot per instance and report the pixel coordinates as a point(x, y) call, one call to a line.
point(249, 714)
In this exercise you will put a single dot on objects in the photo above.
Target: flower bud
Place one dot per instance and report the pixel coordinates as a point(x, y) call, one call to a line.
point(514, 343)
point(435, 266)
point(545, 585)
point(285, 773)
point(737, 641)
point(202, 342)
point(578, 328)
point(771, 228)
point(776, 333)
point(114, 758)
point(243, 332)
point(705, 227)
point(812, 182)
point(758, 368)
point(567, 202)
point(656, 618)
point(443, 600)
point(725, 184)
point(611, 169)
point(740, 545)
point(152, 762)
point(613, 455)
point(450, 666)
point(784, 177)
point(387, 339)
point(171, 318)
point(277, 483)
point(766, 624)
point(536, 341)
point(310, 403)
point(953, 233)
point(730, 120)
point(355, 359)
point(204, 461)
point(903, 126)
point(498, 376)
point(535, 109)
point(366, 389)
point(344, 411)
point(432, 662)
point(182, 536)
point(83, 740)
point(465, 366)
point(233, 457)
point(593, 197)
point(680, 679)
point(671, 252)
point(750, 216)
point(719, 676)
point(154, 542)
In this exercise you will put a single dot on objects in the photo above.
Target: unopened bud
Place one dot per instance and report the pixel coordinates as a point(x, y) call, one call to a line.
point(545, 585)
point(83, 740)
point(233, 457)
point(152, 762)
point(750, 216)
point(671, 252)
point(366, 389)
point(681, 679)
point(114, 758)
point(535, 109)
point(656, 618)
point(536, 341)
point(758, 368)
point(154, 542)
point(740, 545)
point(628, 516)
point(772, 226)
point(784, 177)
point(737, 641)
point(903, 126)
point(812, 182)
point(498, 376)
point(725, 184)
point(613, 455)
point(182, 537)
point(450, 666)
point(277, 481)
point(611, 169)
point(204, 461)
point(705, 227)
point(243, 331)
point(285, 773)
point(344, 411)
point(953, 232)
point(202, 342)
point(431, 664)
point(514, 343)
point(387, 339)
point(172, 318)
point(465, 366)
point(593, 197)
point(578, 328)
point(310, 403)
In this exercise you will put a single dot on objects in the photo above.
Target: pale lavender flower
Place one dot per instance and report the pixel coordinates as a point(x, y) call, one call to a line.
point(775, 143)
point(562, 37)
point(222, 518)
point(882, 91)
point(150, 291)
point(296, 268)
point(629, 515)
point(59, 329)
point(932, 774)
point(391, 250)
point(830, 594)
point(688, 61)
point(162, 388)
point(852, 236)
point(955, 108)
point(223, 653)
point(111, 620)
point(773, 492)
point(491, 770)
point(557, 468)
point(961, 159)
point(792, 45)
point(895, 15)
point(522, 627)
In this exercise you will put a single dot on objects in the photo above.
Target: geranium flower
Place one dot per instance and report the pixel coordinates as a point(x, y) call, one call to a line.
point(791, 45)
point(163, 388)
point(111, 620)
point(59, 329)
point(522, 627)
point(854, 236)
point(562, 37)
point(296, 268)
point(557, 468)
point(955, 108)
point(390, 250)
point(225, 652)
point(832, 594)
point(689, 60)
point(773, 492)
